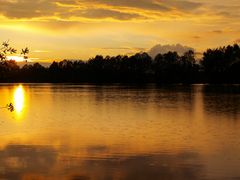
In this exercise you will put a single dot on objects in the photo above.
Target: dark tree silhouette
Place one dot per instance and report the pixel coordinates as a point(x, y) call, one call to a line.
point(220, 65)
point(6, 49)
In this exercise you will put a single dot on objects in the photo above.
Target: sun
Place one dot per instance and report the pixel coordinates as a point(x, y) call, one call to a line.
point(16, 58)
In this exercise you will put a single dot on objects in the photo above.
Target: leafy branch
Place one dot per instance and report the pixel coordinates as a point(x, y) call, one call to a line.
point(9, 107)
point(6, 49)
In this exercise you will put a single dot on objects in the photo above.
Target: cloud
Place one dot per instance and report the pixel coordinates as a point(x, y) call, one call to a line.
point(40, 51)
point(166, 48)
point(71, 9)
point(105, 13)
point(121, 10)
point(184, 5)
point(27, 9)
point(227, 10)
point(125, 48)
point(139, 4)
point(217, 31)
point(156, 5)
point(196, 37)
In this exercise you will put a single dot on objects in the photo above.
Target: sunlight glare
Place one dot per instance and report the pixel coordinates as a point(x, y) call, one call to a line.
point(16, 58)
point(19, 99)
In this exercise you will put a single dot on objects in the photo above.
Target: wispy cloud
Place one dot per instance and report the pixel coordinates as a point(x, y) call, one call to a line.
point(125, 48)
point(71, 9)
point(218, 31)
point(71, 28)
point(40, 51)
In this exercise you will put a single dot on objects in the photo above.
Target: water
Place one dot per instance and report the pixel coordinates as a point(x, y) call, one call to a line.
point(120, 132)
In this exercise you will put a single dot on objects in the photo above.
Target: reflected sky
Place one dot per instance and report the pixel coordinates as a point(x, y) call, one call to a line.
point(42, 162)
point(119, 132)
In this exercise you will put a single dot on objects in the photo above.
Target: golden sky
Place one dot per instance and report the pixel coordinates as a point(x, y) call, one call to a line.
point(58, 29)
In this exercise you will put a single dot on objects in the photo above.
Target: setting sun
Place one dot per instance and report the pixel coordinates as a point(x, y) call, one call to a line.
point(16, 58)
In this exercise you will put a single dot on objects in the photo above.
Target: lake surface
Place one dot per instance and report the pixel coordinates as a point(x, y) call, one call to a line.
point(120, 132)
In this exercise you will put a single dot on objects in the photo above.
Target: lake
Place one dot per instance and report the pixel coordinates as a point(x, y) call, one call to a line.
point(74, 131)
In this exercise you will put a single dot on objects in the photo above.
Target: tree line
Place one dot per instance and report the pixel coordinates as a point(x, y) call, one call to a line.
point(220, 65)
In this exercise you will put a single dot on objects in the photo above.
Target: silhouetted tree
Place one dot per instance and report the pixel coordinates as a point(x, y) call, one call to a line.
point(217, 65)
point(221, 64)
point(6, 49)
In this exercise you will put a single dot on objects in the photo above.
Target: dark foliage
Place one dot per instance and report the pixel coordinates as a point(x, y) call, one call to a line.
point(221, 65)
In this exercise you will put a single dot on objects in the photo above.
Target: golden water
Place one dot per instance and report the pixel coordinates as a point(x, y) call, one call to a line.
point(120, 132)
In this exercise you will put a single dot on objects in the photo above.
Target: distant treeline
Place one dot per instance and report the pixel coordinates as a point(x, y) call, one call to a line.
point(221, 65)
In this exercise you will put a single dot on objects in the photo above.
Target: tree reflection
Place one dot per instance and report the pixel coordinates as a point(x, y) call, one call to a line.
point(224, 100)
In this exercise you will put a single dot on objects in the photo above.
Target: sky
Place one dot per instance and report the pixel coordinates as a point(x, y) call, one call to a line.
point(80, 29)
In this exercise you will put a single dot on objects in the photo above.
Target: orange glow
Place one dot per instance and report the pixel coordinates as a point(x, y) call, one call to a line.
point(16, 58)
point(163, 126)
point(117, 24)
point(19, 100)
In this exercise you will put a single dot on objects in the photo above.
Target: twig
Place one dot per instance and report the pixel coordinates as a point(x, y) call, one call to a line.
point(9, 107)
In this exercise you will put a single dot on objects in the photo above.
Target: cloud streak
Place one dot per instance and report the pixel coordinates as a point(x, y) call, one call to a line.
point(102, 9)
point(82, 28)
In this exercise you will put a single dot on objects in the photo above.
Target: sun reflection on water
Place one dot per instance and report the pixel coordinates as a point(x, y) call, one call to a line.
point(19, 97)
